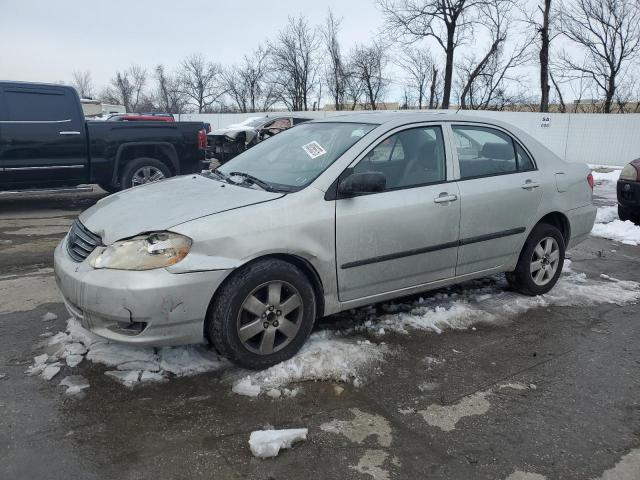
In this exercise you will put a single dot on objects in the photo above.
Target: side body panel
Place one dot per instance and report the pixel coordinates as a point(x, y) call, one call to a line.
point(44, 137)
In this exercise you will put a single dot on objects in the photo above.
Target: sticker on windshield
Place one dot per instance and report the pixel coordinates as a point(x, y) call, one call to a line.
point(314, 149)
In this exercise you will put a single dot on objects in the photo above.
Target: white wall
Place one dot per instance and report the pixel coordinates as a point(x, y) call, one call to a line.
point(596, 139)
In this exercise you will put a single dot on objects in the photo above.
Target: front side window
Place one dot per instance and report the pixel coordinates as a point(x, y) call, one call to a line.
point(408, 158)
point(486, 151)
point(294, 158)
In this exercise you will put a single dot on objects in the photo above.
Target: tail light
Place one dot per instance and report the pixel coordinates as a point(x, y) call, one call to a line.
point(630, 173)
point(590, 180)
point(202, 140)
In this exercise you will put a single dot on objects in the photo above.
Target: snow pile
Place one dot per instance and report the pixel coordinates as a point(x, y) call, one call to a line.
point(623, 232)
point(488, 302)
point(44, 365)
point(267, 443)
point(608, 225)
point(133, 365)
point(325, 356)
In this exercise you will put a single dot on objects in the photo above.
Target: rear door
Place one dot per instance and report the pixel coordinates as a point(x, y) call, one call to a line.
point(44, 139)
point(406, 235)
point(500, 192)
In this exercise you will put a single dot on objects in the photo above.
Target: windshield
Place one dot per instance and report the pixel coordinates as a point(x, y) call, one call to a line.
point(294, 158)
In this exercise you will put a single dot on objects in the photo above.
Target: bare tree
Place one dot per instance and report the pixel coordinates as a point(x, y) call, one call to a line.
point(607, 32)
point(247, 84)
point(419, 68)
point(200, 81)
point(562, 106)
point(353, 90)
point(446, 21)
point(484, 80)
point(294, 63)
point(335, 74)
point(368, 64)
point(433, 90)
point(83, 83)
point(169, 96)
point(127, 88)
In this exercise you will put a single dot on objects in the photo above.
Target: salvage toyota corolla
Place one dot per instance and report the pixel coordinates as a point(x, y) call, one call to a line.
point(324, 217)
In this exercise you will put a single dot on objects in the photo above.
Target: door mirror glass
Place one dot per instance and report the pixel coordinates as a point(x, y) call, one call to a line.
point(365, 182)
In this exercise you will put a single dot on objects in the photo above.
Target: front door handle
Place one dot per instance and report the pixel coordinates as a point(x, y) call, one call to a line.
point(70, 132)
point(529, 185)
point(445, 198)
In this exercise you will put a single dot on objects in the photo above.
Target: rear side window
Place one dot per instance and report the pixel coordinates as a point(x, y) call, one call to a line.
point(486, 151)
point(32, 106)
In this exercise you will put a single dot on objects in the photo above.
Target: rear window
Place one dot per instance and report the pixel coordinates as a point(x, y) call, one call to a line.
point(38, 106)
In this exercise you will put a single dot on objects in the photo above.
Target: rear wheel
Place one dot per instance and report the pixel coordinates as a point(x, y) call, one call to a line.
point(262, 315)
point(540, 263)
point(142, 171)
point(625, 214)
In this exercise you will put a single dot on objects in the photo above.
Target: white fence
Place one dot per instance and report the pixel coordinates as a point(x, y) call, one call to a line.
point(596, 139)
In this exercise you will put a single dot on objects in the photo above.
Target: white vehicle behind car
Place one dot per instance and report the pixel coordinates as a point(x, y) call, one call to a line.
point(324, 217)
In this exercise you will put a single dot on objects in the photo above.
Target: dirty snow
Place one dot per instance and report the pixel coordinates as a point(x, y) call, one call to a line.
point(487, 301)
point(268, 443)
point(48, 317)
point(75, 384)
point(362, 426)
point(446, 417)
point(608, 225)
point(133, 365)
point(327, 355)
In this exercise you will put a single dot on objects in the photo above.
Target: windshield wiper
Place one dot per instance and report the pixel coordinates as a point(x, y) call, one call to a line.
point(254, 180)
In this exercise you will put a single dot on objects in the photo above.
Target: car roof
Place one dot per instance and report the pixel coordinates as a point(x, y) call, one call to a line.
point(393, 116)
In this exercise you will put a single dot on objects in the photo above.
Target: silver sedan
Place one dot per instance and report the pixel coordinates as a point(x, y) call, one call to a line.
point(325, 217)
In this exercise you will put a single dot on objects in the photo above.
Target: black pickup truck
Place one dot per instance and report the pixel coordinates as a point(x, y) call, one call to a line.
point(45, 143)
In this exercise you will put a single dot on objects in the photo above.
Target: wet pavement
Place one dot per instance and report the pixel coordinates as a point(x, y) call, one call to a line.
point(551, 393)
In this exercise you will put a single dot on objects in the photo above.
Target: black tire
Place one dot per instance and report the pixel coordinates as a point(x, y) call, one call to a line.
point(109, 188)
point(625, 214)
point(522, 279)
point(224, 317)
point(126, 179)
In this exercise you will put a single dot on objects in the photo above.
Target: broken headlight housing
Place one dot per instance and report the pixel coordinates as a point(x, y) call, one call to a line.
point(143, 252)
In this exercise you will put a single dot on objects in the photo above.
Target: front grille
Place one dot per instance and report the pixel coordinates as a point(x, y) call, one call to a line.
point(81, 242)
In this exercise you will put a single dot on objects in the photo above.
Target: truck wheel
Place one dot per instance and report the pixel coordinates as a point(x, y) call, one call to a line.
point(623, 213)
point(143, 170)
point(540, 263)
point(262, 315)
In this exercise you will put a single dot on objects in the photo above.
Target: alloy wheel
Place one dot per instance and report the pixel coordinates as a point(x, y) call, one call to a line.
point(146, 174)
point(270, 317)
point(545, 261)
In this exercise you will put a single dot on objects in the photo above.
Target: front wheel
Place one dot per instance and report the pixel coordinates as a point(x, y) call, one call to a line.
point(540, 263)
point(262, 315)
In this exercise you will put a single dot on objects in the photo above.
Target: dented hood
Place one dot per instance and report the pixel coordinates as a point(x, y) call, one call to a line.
point(162, 205)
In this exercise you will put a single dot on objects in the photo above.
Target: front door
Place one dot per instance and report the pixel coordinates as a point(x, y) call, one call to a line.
point(500, 192)
point(406, 235)
point(43, 137)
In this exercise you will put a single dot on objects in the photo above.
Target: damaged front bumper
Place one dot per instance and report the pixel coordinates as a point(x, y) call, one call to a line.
point(150, 308)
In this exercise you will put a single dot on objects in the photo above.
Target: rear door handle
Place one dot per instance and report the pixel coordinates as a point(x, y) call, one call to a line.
point(444, 198)
point(529, 185)
point(70, 132)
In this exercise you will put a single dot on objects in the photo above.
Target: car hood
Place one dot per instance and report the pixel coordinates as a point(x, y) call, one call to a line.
point(162, 205)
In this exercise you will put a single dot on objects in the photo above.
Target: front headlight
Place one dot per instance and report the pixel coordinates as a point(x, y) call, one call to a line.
point(629, 172)
point(144, 252)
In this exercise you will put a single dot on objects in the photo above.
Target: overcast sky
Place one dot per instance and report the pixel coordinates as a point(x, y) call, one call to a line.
point(46, 40)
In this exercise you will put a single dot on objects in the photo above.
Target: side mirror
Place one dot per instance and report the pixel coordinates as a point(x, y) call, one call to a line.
point(365, 182)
